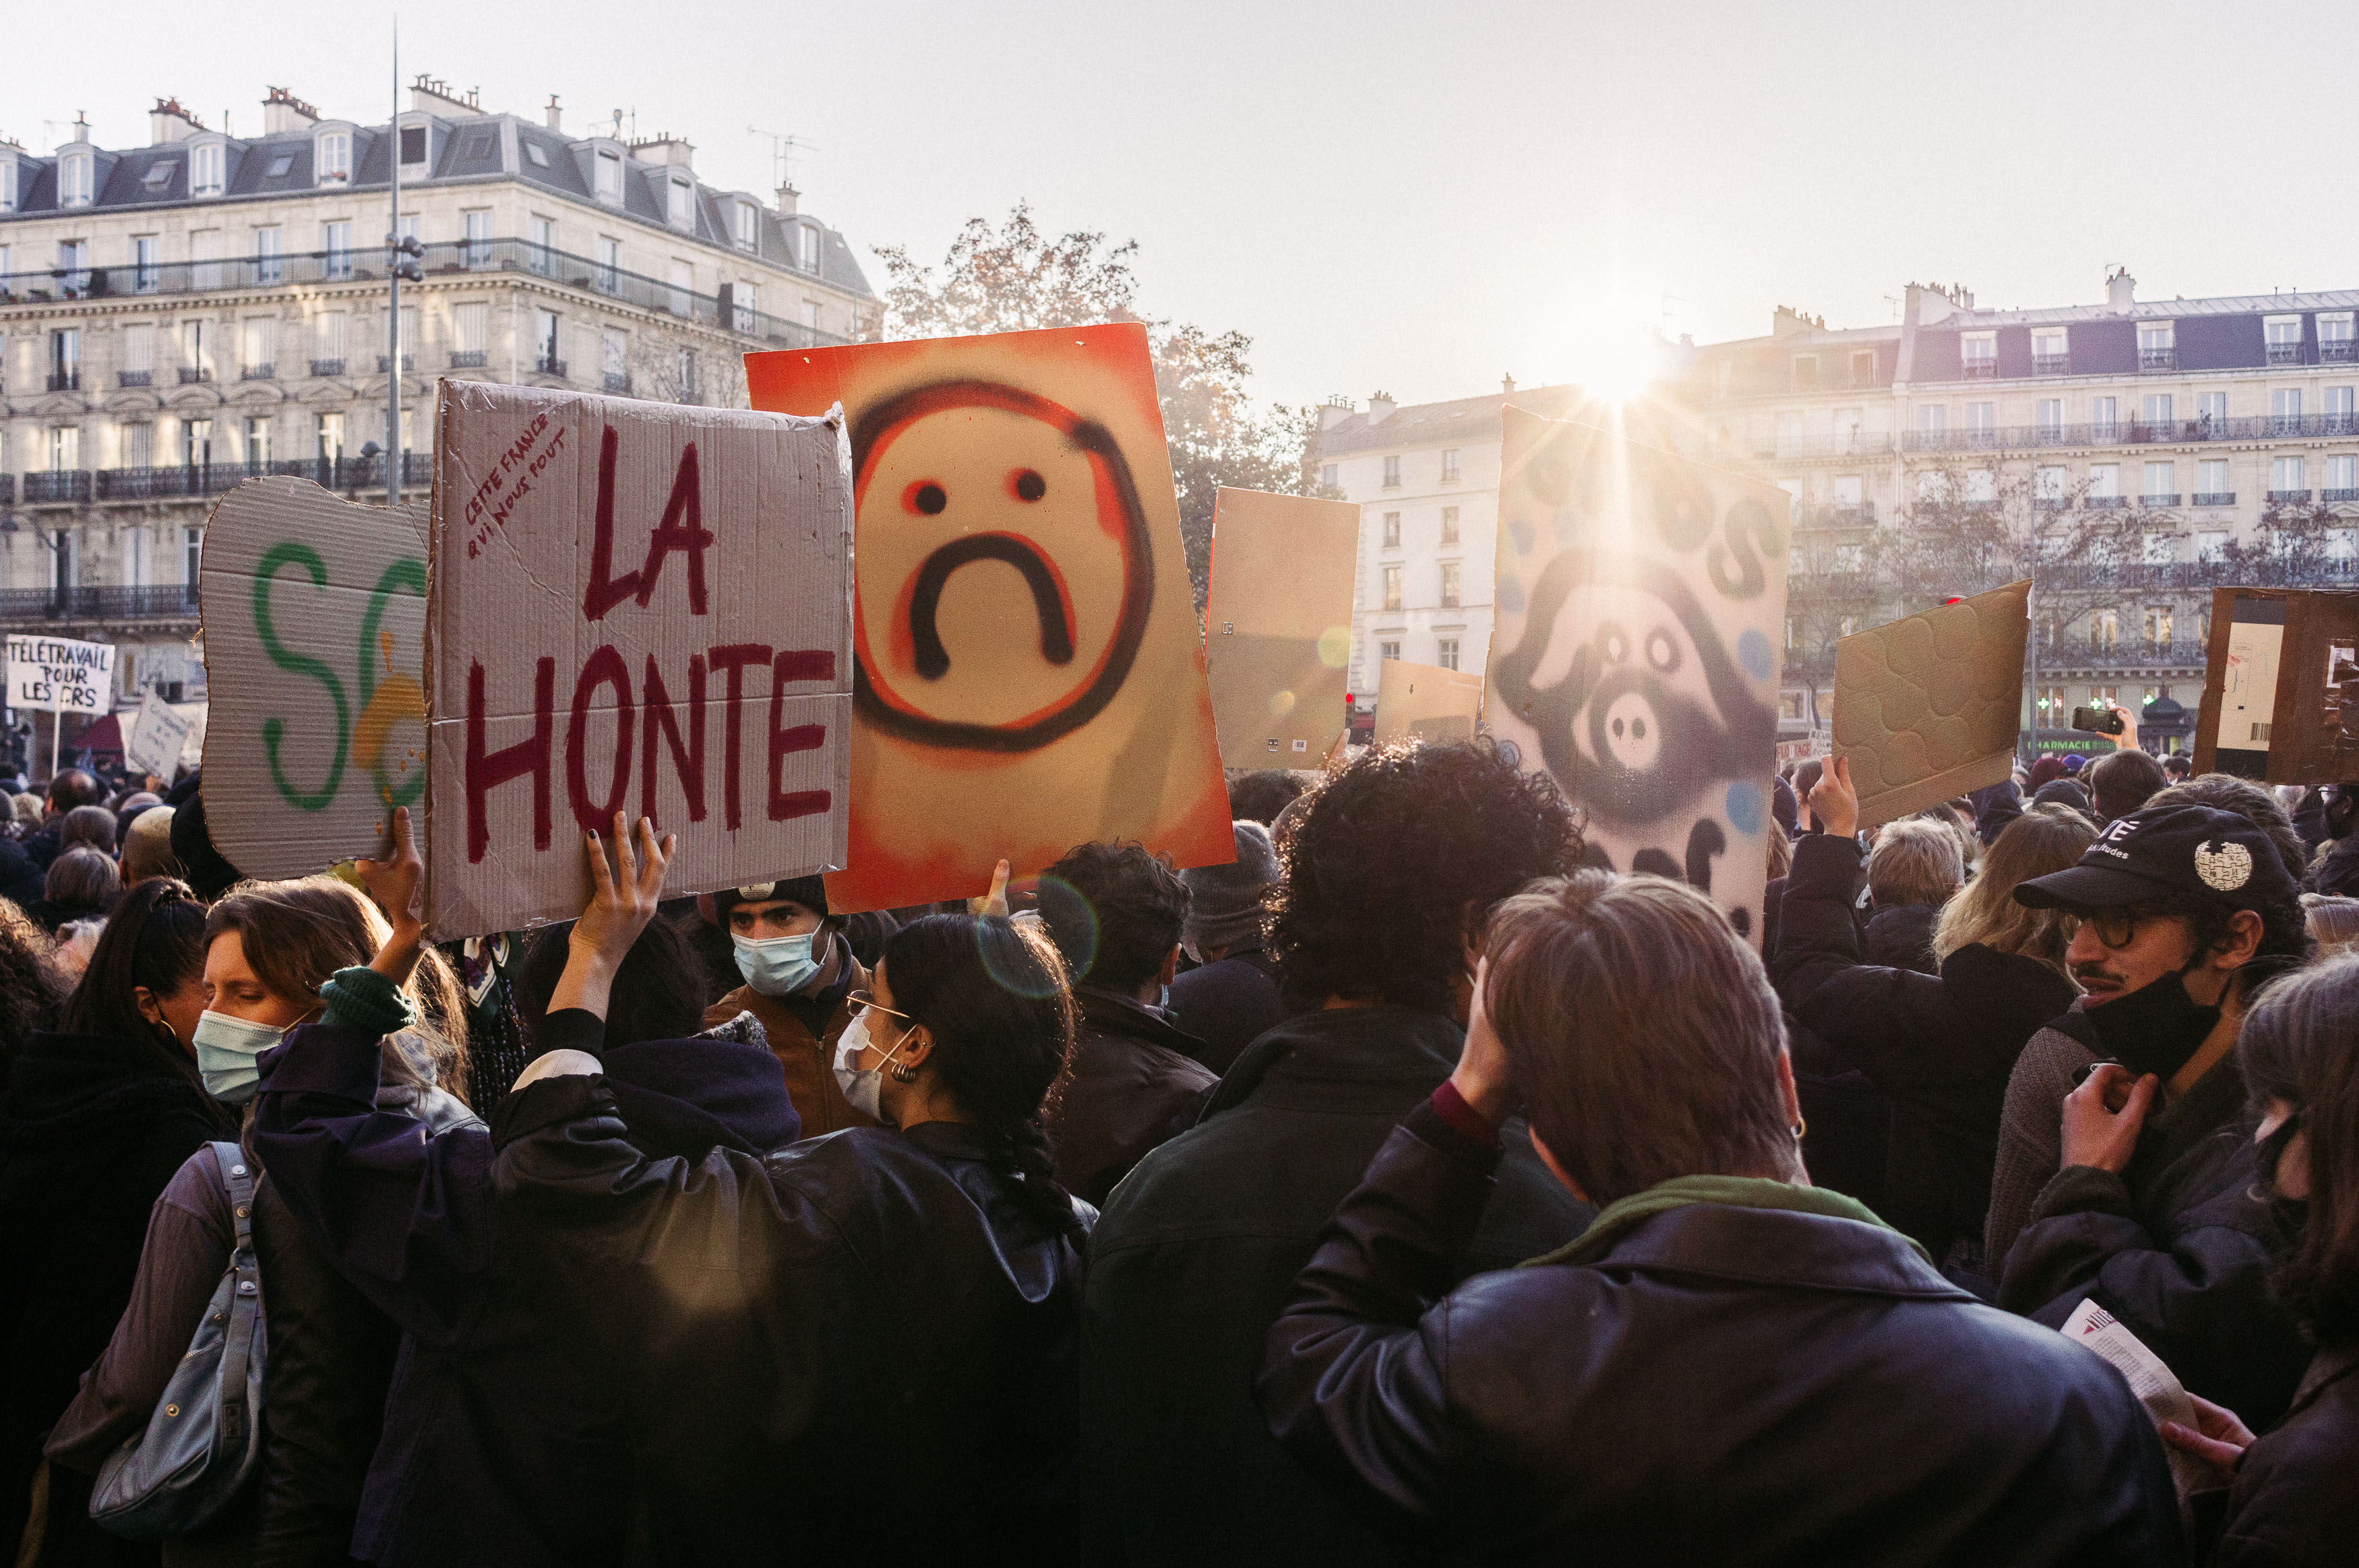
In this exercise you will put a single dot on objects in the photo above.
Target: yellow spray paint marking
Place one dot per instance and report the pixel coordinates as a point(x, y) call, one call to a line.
point(399, 697)
point(385, 650)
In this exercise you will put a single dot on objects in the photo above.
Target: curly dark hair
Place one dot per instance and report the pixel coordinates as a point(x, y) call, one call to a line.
point(1393, 862)
point(1260, 797)
point(1115, 911)
point(33, 990)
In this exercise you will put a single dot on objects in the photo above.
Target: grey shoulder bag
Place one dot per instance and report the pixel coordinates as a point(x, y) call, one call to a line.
point(204, 1438)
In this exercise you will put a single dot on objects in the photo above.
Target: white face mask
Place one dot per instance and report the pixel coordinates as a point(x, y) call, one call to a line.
point(226, 1049)
point(861, 1087)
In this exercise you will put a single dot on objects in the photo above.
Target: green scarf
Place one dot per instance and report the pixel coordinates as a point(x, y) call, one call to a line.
point(1737, 1192)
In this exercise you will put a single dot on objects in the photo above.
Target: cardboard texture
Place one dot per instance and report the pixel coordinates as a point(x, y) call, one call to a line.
point(314, 611)
point(2281, 694)
point(156, 739)
point(1640, 606)
point(639, 607)
point(58, 674)
point(1426, 702)
point(1029, 670)
point(1931, 706)
point(1278, 625)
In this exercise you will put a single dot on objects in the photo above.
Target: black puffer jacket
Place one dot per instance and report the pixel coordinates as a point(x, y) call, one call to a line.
point(1724, 1385)
point(90, 1130)
point(776, 1327)
point(1938, 1047)
point(2179, 1249)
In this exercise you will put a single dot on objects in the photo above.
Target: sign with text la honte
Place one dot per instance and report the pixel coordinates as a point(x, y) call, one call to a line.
point(634, 606)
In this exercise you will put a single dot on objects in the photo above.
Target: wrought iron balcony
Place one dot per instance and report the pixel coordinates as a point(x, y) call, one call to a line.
point(2159, 359)
point(1845, 444)
point(618, 384)
point(384, 363)
point(266, 371)
point(185, 480)
point(191, 374)
point(51, 486)
point(469, 359)
point(2285, 353)
point(65, 381)
point(2136, 433)
point(2338, 497)
point(548, 365)
point(7, 489)
point(2122, 653)
point(2107, 503)
point(2289, 498)
point(113, 601)
point(327, 367)
point(2214, 498)
point(2337, 350)
point(2158, 500)
point(1985, 369)
point(1832, 514)
point(2051, 364)
point(367, 266)
point(139, 378)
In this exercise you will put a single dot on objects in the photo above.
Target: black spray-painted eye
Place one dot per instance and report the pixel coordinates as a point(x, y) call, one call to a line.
point(1029, 485)
point(925, 496)
point(1662, 650)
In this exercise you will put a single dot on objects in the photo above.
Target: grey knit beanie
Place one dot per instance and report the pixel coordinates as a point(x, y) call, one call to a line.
point(1225, 902)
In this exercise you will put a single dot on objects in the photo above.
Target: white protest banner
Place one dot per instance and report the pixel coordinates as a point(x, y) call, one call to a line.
point(1641, 600)
point(58, 674)
point(636, 607)
point(156, 741)
point(314, 613)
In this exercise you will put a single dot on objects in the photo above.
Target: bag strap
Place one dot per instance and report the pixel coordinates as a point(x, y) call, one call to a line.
point(245, 1301)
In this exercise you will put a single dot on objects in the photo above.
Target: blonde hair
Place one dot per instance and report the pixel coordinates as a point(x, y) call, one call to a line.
point(1914, 862)
point(2044, 840)
point(1781, 852)
point(2334, 923)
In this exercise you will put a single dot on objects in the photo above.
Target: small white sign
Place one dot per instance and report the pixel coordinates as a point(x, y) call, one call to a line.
point(158, 739)
point(58, 674)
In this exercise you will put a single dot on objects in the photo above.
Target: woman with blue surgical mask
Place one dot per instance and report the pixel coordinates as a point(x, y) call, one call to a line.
point(267, 950)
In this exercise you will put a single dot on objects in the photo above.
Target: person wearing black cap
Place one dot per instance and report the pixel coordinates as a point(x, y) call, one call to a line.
point(2142, 1178)
point(800, 976)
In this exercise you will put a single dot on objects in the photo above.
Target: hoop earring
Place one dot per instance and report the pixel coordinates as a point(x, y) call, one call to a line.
point(170, 1034)
point(1799, 1127)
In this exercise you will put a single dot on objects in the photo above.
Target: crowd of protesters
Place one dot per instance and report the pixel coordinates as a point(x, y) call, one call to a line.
point(1406, 1188)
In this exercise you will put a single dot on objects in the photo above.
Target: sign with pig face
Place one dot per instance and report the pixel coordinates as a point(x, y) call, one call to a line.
point(1640, 602)
point(1026, 670)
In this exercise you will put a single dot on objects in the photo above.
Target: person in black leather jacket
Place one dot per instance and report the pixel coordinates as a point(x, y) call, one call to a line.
point(1729, 1366)
point(863, 1347)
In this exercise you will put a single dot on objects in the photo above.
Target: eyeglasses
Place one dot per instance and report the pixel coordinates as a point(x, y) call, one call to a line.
point(2116, 926)
point(862, 1000)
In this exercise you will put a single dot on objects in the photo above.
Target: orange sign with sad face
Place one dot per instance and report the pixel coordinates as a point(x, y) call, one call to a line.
point(1028, 675)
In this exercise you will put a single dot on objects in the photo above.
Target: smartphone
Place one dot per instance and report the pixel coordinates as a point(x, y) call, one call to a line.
point(2097, 721)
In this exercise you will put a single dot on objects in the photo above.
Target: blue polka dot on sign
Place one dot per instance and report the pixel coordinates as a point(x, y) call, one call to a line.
point(1745, 806)
point(1753, 653)
point(1511, 596)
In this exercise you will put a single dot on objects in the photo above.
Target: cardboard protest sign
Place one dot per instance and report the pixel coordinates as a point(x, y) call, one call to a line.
point(314, 615)
point(1931, 706)
point(1640, 602)
point(1278, 625)
point(636, 607)
point(156, 739)
point(1029, 673)
point(58, 674)
point(1426, 702)
point(2282, 697)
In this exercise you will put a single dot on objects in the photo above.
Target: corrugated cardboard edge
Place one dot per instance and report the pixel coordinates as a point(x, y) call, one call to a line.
point(428, 818)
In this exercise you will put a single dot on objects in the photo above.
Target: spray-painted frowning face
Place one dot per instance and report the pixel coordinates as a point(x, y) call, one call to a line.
point(1002, 567)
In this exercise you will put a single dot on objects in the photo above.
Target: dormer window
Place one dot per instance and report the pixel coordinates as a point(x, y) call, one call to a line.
point(413, 145)
point(206, 161)
point(811, 248)
point(331, 158)
point(610, 177)
point(9, 182)
point(75, 175)
point(748, 226)
point(679, 204)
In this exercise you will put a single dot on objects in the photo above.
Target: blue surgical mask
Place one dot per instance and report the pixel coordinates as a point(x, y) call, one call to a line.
point(779, 965)
point(226, 1049)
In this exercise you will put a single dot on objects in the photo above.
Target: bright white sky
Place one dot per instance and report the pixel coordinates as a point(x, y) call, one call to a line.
point(1417, 198)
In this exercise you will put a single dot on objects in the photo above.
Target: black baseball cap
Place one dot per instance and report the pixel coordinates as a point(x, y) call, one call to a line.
point(2164, 850)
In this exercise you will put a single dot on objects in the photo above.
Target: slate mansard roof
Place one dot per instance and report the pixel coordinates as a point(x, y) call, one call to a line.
point(479, 147)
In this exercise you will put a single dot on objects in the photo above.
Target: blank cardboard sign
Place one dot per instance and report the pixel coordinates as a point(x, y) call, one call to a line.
point(1278, 625)
point(1640, 602)
point(1931, 706)
point(1426, 702)
point(1028, 671)
point(314, 611)
point(637, 607)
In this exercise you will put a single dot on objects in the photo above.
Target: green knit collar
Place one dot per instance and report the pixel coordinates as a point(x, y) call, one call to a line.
point(1617, 1218)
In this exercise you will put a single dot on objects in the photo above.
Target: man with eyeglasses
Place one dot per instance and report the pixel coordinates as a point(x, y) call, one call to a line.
point(2126, 1166)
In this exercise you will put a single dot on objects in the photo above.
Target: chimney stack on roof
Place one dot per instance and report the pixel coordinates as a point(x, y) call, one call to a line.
point(169, 123)
point(282, 111)
point(663, 147)
point(1334, 411)
point(2121, 289)
point(556, 115)
point(432, 95)
point(1380, 407)
point(1507, 385)
point(789, 199)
